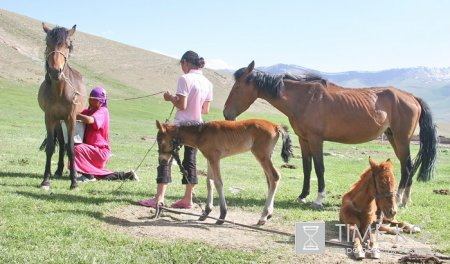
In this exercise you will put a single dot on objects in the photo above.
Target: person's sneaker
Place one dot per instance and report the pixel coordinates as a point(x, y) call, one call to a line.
point(132, 176)
point(86, 178)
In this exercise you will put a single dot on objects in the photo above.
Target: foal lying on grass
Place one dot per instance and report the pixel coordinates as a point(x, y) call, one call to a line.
point(220, 139)
point(373, 192)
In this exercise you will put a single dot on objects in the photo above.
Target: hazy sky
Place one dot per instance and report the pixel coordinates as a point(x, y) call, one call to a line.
point(329, 36)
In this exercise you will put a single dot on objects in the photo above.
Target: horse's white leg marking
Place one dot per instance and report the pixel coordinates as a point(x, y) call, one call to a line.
point(406, 196)
point(400, 196)
point(268, 207)
point(209, 183)
point(317, 204)
point(301, 200)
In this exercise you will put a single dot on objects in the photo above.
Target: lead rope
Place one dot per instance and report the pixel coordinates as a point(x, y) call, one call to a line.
point(148, 151)
point(176, 155)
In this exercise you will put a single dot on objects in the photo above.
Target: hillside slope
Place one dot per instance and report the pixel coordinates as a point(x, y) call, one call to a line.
point(123, 70)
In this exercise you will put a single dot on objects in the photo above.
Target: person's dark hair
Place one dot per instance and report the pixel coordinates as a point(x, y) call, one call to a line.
point(193, 58)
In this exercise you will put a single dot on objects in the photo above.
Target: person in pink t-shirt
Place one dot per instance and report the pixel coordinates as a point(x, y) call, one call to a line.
point(92, 155)
point(192, 99)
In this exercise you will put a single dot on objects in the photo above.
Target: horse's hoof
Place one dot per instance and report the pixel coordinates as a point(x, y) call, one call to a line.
point(411, 228)
point(374, 253)
point(58, 175)
point(203, 216)
point(359, 254)
point(219, 222)
point(301, 200)
point(261, 222)
point(316, 206)
point(45, 187)
point(415, 229)
point(403, 205)
point(74, 187)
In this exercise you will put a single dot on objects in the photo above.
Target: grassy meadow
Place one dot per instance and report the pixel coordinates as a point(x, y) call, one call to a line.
point(63, 226)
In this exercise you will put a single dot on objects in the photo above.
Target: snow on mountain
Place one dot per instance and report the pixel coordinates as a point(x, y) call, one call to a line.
point(369, 78)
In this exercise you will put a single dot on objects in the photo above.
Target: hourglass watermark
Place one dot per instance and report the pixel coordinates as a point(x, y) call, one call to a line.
point(309, 238)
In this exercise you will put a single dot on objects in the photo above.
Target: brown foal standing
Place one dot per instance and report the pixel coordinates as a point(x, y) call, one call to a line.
point(220, 139)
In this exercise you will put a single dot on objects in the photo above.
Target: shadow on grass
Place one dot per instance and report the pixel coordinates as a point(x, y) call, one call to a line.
point(160, 222)
point(5, 174)
point(196, 225)
point(278, 204)
point(70, 198)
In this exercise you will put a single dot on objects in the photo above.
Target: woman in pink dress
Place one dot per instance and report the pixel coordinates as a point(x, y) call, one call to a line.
point(92, 155)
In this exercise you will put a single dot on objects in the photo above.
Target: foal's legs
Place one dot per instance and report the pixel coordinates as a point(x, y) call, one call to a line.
point(374, 251)
point(358, 251)
point(215, 167)
point(49, 149)
point(209, 201)
point(272, 177)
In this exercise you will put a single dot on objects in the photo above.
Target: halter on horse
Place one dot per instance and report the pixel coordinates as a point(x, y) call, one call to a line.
point(61, 96)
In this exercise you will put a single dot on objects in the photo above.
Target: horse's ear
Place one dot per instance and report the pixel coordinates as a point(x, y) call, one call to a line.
point(72, 30)
point(250, 67)
point(372, 163)
point(160, 127)
point(45, 27)
point(389, 161)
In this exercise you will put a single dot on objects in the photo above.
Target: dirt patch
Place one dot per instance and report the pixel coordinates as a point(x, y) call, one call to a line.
point(136, 220)
point(275, 239)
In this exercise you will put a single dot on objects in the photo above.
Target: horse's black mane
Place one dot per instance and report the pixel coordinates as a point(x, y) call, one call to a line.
point(57, 36)
point(272, 83)
point(190, 123)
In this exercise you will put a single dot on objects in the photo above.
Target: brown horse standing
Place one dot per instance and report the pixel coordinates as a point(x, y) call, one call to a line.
point(220, 139)
point(374, 190)
point(61, 96)
point(321, 111)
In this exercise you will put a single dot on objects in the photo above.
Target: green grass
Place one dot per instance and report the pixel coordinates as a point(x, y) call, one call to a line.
point(63, 226)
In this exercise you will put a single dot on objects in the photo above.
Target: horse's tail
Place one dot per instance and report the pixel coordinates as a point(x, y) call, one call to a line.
point(286, 149)
point(44, 143)
point(426, 158)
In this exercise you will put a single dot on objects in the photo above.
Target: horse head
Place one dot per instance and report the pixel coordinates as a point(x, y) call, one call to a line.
point(242, 95)
point(168, 142)
point(59, 46)
point(384, 187)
